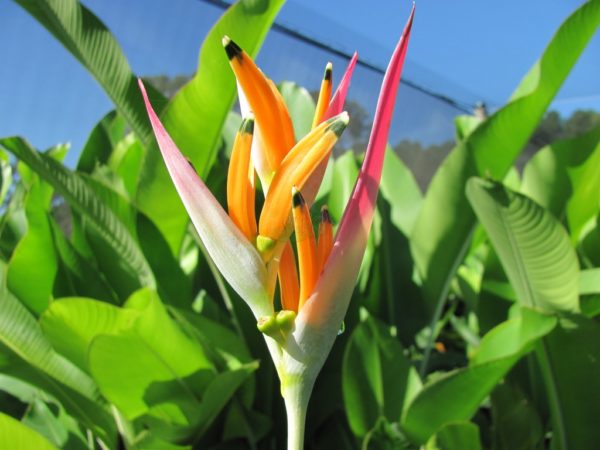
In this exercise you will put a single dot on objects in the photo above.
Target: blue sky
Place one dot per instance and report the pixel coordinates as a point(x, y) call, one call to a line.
point(465, 49)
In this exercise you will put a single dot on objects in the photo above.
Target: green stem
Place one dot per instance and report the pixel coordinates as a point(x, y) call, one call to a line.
point(556, 408)
point(296, 403)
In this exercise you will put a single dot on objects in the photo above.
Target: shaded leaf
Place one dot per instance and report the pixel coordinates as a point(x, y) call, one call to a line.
point(456, 395)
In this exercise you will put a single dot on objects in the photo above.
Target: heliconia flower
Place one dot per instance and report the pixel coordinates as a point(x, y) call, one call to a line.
point(255, 256)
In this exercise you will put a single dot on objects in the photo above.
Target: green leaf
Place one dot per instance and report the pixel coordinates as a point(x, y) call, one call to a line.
point(589, 281)
point(196, 114)
point(141, 370)
point(32, 359)
point(126, 160)
point(114, 234)
point(101, 141)
point(88, 40)
point(454, 436)
point(83, 278)
point(16, 436)
point(589, 289)
point(36, 249)
point(400, 189)
point(345, 172)
point(456, 395)
point(301, 106)
point(533, 247)
point(565, 178)
point(6, 176)
point(517, 426)
point(70, 324)
point(441, 235)
point(570, 361)
point(377, 379)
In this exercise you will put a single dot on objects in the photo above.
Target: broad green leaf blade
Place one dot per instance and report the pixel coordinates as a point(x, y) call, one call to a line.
point(83, 278)
point(570, 361)
point(126, 161)
point(35, 250)
point(101, 141)
point(143, 371)
point(114, 233)
point(534, 248)
point(456, 395)
point(70, 324)
point(301, 106)
point(443, 228)
point(517, 425)
point(196, 114)
point(20, 332)
point(32, 359)
point(565, 178)
point(455, 436)
point(16, 436)
point(88, 40)
point(377, 379)
point(400, 189)
point(345, 172)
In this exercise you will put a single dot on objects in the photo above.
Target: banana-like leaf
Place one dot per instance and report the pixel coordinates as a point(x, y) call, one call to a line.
point(532, 245)
point(455, 396)
point(301, 106)
point(16, 436)
point(196, 114)
point(100, 143)
point(32, 359)
point(377, 379)
point(114, 234)
point(444, 226)
point(35, 250)
point(565, 178)
point(458, 435)
point(570, 364)
point(400, 189)
point(88, 40)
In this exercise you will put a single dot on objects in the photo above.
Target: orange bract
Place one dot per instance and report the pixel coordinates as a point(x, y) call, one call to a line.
point(306, 246)
point(266, 103)
point(240, 182)
point(324, 96)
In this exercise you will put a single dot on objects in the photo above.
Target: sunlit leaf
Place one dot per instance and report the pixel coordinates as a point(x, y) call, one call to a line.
point(534, 248)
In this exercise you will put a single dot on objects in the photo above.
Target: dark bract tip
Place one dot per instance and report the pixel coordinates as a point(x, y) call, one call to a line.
point(247, 126)
point(231, 48)
point(325, 217)
point(297, 199)
point(328, 73)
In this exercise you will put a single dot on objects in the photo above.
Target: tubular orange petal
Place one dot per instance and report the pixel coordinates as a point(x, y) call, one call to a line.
point(324, 96)
point(336, 106)
point(325, 242)
point(288, 279)
point(240, 182)
point(329, 302)
point(266, 104)
point(294, 171)
point(306, 245)
point(234, 256)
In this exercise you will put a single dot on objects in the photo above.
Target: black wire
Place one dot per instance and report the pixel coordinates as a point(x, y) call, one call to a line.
point(464, 107)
